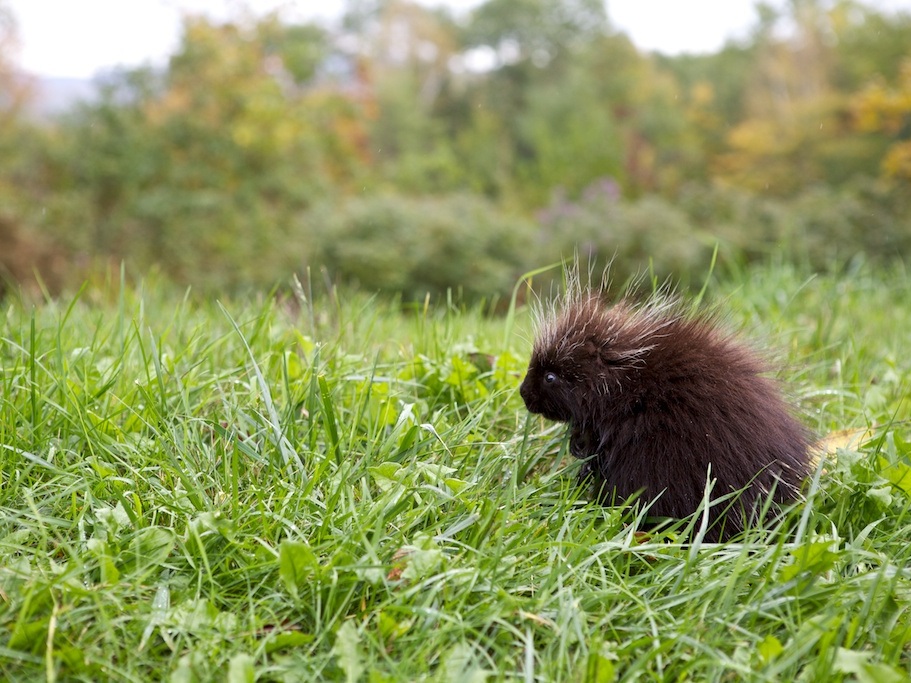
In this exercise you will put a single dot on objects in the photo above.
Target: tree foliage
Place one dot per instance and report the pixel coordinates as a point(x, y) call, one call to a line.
point(886, 111)
point(535, 30)
point(207, 163)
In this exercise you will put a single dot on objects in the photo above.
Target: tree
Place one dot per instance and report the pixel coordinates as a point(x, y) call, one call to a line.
point(568, 101)
point(536, 30)
point(406, 51)
point(868, 42)
point(211, 161)
point(796, 129)
point(15, 89)
point(886, 111)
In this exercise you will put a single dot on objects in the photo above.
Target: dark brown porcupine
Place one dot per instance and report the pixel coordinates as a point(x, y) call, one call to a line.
point(656, 399)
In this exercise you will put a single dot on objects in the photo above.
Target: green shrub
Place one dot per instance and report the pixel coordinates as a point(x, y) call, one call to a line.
point(742, 223)
point(822, 226)
point(420, 245)
point(650, 233)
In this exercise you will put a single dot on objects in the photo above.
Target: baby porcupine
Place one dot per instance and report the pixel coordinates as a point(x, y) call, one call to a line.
point(655, 399)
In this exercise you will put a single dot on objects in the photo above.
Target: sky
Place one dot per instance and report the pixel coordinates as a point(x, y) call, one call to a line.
point(79, 38)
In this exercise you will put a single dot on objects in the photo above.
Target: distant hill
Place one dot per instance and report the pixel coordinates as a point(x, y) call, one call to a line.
point(52, 96)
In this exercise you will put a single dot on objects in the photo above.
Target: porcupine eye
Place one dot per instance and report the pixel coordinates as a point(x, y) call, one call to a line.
point(550, 378)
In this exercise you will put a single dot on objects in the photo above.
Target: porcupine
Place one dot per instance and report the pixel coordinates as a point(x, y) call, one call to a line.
point(658, 400)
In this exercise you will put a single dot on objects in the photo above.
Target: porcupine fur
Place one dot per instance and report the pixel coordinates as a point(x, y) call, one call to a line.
point(656, 399)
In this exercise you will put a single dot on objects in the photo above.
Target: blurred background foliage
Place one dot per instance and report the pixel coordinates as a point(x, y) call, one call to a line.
point(415, 151)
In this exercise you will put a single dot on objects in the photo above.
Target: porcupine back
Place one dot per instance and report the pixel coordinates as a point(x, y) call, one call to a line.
point(656, 399)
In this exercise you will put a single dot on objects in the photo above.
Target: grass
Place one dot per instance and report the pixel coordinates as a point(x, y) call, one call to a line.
point(345, 490)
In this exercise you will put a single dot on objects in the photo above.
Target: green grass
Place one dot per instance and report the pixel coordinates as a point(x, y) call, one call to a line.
point(261, 490)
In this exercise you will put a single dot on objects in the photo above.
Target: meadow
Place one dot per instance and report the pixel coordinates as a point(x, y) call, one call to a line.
point(332, 486)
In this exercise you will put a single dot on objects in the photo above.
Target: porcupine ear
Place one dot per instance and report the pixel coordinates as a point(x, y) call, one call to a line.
point(598, 351)
point(608, 357)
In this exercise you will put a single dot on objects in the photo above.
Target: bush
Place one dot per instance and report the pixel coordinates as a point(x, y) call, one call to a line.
point(744, 225)
point(822, 226)
point(28, 261)
point(418, 246)
point(650, 233)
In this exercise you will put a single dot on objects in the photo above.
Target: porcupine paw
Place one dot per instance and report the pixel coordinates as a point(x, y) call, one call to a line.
point(587, 472)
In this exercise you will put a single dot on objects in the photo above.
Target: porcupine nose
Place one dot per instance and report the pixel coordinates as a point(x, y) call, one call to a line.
point(525, 391)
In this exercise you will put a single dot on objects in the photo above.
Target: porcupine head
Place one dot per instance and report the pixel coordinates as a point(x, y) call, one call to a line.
point(584, 361)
